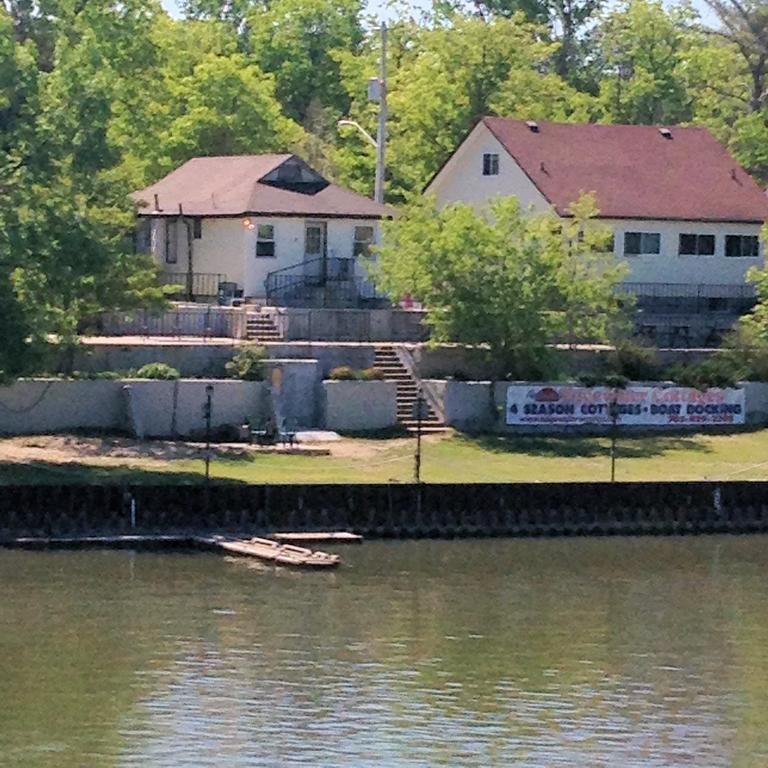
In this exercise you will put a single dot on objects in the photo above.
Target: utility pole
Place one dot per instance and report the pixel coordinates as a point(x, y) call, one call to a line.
point(381, 135)
point(614, 413)
point(207, 409)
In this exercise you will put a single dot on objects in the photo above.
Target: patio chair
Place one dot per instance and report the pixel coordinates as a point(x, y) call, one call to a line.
point(267, 435)
point(287, 432)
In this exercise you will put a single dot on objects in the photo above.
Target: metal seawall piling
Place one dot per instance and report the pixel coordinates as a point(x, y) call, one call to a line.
point(388, 511)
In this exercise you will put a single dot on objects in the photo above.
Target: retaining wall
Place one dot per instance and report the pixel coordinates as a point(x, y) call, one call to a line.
point(363, 325)
point(466, 405)
point(407, 510)
point(359, 406)
point(158, 409)
point(189, 359)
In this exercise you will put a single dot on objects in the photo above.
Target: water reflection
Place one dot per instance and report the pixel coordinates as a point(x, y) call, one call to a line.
point(630, 652)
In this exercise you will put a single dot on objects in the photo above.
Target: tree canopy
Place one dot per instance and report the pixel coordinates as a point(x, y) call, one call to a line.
point(100, 98)
point(514, 281)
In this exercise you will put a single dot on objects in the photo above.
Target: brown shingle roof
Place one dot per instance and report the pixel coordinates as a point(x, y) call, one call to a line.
point(633, 170)
point(230, 186)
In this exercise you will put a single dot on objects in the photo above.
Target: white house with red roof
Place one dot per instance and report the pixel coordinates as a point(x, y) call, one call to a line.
point(267, 227)
point(686, 217)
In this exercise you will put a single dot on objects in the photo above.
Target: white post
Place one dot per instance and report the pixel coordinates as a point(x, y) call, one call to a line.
point(381, 136)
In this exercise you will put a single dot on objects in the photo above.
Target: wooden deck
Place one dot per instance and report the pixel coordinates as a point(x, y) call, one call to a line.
point(271, 551)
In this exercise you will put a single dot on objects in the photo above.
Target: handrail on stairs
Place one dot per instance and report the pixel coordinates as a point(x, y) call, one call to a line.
point(405, 355)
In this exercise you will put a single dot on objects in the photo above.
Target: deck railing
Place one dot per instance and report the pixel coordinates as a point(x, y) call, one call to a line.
point(201, 284)
point(323, 282)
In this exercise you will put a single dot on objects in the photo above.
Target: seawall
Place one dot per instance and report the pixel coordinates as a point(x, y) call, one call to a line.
point(388, 511)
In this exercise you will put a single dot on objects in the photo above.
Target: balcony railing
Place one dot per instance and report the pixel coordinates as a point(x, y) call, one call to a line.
point(690, 298)
point(202, 284)
point(329, 282)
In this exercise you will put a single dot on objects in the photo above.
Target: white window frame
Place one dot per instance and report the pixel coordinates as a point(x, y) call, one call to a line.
point(644, 251)
point(490, 163)
point(365, 244)
point(262, 239)
point(741, 248)
point(698, 236)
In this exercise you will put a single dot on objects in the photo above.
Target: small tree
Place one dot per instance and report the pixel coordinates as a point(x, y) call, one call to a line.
point(514, 281)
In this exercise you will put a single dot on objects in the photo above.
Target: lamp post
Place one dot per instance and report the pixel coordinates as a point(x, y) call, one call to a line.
point(377, 91)
point(207, 409)
point(613, 410)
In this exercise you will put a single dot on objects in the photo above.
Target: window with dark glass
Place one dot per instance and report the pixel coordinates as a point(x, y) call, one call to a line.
point(265, 240)
point(363, 242)
point(171, 242)
point(696, 245)
point(642, 243)
point(490, 164)
point(742, 246)
point(197, 228)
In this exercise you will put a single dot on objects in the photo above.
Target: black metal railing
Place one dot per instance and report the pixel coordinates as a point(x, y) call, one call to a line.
point(690, 298)
point(202, 284)
point(322, 282)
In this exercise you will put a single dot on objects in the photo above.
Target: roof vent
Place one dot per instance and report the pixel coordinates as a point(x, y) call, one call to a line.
point(666, 133)
point(533, 126)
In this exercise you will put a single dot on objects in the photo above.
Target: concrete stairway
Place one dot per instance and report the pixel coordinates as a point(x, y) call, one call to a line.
point(259, 327)
point(389, 363)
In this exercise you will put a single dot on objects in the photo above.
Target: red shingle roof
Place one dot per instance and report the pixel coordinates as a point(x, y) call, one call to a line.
point(634, 171)
point(231, 186)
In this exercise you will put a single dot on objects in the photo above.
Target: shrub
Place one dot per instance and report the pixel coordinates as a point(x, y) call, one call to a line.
point(634, 361)
point(747, 351)
point(156, 371)
point(347, 373)
point(370, 374)
point(342, 373)
point(247, 364)
point(714, 372)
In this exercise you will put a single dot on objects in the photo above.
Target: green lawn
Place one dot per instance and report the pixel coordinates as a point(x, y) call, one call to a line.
point(741, 456)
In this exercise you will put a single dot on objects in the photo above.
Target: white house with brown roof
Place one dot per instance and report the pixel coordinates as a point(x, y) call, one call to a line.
point(683, 211)
point(266, 227)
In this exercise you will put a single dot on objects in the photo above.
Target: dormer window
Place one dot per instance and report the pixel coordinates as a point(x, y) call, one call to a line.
point(490, 164)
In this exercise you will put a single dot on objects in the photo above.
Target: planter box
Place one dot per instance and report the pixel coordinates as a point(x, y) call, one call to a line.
point(359, 406)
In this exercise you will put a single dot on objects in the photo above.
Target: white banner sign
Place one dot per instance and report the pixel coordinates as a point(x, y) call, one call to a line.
point(668, 406)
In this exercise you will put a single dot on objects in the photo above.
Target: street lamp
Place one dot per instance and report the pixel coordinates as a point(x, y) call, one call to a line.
point(377, 91)
point(355, 124)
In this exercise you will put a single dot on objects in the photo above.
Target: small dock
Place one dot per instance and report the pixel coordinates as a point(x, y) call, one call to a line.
point(318, 537)
point(268, 550)
point(272, 551)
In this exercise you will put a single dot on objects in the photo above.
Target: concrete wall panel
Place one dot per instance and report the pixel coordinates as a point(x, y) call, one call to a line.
point(359, 406)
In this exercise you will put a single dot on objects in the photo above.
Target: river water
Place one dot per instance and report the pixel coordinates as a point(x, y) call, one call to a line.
point(561, 652)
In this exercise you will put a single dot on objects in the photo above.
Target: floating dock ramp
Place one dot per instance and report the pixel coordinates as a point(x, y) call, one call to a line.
point(269, 550)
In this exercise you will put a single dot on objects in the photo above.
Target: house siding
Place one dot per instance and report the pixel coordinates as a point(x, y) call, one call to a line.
point(227, 247)
point(669, 267)
point(461, 180)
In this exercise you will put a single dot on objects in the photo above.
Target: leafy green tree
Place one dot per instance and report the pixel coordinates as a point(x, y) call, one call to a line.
point(298, 41)
point(566, 20)
point(745, 24)
point(643, 50)
point(514, 281)
point(442, 80)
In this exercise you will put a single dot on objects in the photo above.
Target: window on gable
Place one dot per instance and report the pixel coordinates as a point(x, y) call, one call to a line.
point(363, 242)
point(490, 164)
point(265, 240)
point(642, 243)
point(696, 245)
point(742, 246)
